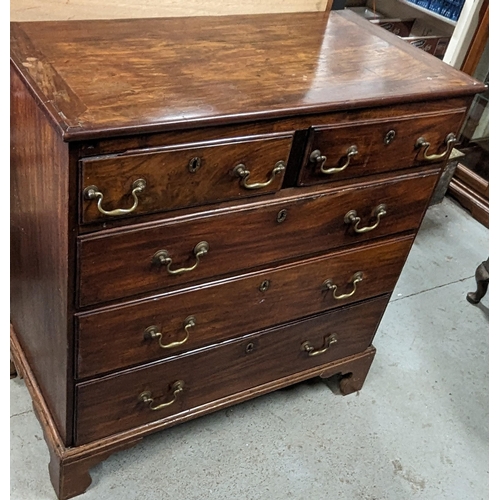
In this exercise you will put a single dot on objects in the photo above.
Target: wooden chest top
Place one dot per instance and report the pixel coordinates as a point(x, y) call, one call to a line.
point(116, 77)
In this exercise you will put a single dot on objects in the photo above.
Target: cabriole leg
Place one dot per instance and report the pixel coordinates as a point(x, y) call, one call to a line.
point(482, 282)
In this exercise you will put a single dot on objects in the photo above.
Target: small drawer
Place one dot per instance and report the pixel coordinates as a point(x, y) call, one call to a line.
point(183, 176)
point(342, 152)
point(172, 388)
point(122, 263)
point(166, 325)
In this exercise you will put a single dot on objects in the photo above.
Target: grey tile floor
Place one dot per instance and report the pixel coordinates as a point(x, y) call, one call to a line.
point(418, 429)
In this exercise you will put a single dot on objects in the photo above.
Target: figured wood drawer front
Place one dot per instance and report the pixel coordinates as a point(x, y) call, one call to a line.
point(341, 152)
point(184, 176)
point(127, 335)
point(128, 262)
point(113, 404)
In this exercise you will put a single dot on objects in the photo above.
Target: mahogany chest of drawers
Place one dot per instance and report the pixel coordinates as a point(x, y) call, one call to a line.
point(208, 209)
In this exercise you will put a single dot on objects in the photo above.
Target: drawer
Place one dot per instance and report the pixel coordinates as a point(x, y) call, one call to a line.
point(162, 326)
point(182, 176)
point(121, 263)
point(113, 404)
point(338, 152)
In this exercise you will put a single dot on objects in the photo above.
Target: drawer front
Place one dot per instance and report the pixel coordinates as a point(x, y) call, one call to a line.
point(341, 152)
point(171, 254)
point(113, 404)
point(183, 176)
point(163, 326)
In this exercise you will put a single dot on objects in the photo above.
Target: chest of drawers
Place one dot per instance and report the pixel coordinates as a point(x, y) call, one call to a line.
point(208, 209)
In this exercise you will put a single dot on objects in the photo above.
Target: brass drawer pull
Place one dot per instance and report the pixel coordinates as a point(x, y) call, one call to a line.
point(243, 173)
point(422, 143)
point(320, 160)
point(93, 193)
point(356, 278)
point(162, 258)
point(311, 351)
point(351, 217)
point(147, 399)
point(153, 332)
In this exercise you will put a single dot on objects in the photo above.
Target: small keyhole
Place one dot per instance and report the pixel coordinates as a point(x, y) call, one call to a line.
point(249, 348)
point(389, 137)
point(264, 286)
point(194, 164)
point(281, 215)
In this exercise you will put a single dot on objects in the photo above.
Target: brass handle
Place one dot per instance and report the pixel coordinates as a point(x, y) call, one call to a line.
point(146, 397)
point(422, 143)
point(153, 332)
point(311, 351)
point(93, 193)
point(320, 160)
point(351, 217)
point(356, 278)
point(162, 258)
point(243, 173)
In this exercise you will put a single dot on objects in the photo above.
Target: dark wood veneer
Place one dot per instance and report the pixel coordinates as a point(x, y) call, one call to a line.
point(103, 102)
point(243, 239)
point(220, 309)
point(248, 362)
point(171, 184)
point(139, 142)
point(280, 64)
point(41, 301)
point(381, 145)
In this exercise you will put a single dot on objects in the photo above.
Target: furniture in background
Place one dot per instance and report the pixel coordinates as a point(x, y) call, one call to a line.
point(482, 276)
point(470, 183)
point(205, 210)
point(464, 44)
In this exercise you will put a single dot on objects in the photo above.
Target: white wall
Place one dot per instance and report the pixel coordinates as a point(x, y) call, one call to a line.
point(34, 10)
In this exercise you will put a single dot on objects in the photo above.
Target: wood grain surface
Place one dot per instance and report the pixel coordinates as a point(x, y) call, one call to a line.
point(120, 264)
point(111, 404)
point(174, 73)
point(373, 153)
point(41, 284)
point(172, 184)
point(221, 309)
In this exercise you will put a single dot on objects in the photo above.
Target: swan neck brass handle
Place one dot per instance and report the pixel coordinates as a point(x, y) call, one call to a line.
point(162, 258)
point(93, 193)
point(328, 284)
point(351, 217)
point(320, 160)
point(154, 332)
point(243, 173)
point(146, 397)
point(312, 351)
point(422, 143)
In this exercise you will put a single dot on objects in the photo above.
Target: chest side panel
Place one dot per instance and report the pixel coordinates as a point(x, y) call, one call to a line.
point(40, 251)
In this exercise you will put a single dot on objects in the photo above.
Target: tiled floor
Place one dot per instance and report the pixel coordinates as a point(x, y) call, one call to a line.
point(418, 429)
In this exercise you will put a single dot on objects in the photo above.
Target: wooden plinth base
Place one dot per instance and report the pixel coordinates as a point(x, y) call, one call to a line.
point(69, 466)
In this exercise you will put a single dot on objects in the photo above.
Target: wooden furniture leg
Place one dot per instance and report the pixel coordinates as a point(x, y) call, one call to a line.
point(482, 282)
point(69, 467)
point(354, 372)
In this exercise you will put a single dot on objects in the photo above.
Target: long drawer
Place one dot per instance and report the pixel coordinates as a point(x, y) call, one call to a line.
point(182, 176)
point(121, 263)
point(163, 326)
point(339, 152)
point(133, 398)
